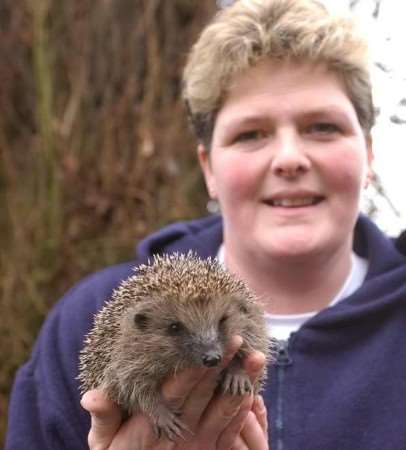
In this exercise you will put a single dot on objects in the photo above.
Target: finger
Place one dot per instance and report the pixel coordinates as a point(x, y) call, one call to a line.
point(202, 393)
point(192, 389)
point(137, 433)
point(222, 411)
point(230, 431)
point(105, 418)
point(232, 348)
point(176, 389)
point(239, 444)
point(253, 434)
point(254, 365)
point(260, 412)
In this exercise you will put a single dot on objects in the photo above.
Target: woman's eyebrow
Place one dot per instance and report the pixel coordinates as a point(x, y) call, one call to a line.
point(248, 119)
point(330, 111)
point(239, 122)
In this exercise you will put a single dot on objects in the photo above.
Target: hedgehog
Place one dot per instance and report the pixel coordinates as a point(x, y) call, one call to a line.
point(176, 312)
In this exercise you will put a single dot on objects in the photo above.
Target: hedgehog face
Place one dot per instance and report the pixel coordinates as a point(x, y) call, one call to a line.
point(196, 330)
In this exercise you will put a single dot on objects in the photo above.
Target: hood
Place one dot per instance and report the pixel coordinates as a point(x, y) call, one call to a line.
point(204, 236)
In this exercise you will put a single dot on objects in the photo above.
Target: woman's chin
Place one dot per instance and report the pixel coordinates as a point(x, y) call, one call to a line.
point(293, 246)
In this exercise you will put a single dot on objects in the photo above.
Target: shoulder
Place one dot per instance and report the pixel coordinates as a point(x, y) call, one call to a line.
point(372, 243)
point(45, 389)
point(72, 316)
point(89, 295)
point(384, 284)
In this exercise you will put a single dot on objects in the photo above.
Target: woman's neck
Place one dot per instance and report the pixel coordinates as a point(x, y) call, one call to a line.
point(293, 287)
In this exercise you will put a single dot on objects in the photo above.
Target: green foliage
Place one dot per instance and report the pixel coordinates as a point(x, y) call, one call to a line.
point(95, 151)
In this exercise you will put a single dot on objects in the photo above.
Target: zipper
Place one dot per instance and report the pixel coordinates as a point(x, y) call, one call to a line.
point(283, 360)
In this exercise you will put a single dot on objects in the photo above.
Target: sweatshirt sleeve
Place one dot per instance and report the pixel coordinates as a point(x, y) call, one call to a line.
point(45, 411)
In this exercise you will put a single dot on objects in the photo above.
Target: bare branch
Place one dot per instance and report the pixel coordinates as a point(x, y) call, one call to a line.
point(377, 9)
point(382, 66)
point(380, 190)
point(353, 4)
point(397, 119)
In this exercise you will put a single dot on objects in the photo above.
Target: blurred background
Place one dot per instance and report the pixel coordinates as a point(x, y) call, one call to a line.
point(95, 150)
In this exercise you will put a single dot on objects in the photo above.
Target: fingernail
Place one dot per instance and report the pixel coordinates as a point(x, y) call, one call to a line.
point(260, 402)
point(235, 343)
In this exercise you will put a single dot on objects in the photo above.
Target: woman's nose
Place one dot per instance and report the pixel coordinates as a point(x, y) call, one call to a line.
point(288, 157)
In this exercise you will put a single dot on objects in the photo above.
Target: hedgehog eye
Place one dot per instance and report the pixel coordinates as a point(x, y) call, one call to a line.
point(141, 321)
point(223, 319)
point(175, 328)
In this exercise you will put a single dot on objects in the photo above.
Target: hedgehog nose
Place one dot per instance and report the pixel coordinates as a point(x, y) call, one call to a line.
point(211, 360)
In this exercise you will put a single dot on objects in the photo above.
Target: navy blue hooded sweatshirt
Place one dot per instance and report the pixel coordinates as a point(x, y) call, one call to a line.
point(339, 382)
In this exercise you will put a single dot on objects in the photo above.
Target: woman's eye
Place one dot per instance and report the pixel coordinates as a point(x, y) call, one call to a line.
point(324, 128)
point(223, 320)
point(252, 135)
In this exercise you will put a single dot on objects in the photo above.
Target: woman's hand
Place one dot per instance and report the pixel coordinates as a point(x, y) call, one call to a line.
point(217, 422)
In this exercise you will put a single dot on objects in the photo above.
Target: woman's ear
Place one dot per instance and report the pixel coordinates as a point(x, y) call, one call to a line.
point(204, 160)
point(370, 158)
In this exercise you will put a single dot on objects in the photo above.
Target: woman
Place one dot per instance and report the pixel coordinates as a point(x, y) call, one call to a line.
point(279, 95)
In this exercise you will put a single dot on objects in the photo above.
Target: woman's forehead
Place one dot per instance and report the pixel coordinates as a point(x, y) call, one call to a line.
point(275, 77)
point(273, 87)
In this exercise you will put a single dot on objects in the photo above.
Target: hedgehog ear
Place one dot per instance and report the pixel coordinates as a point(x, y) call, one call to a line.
point(243, 308)
point(141, 321)
point(241, 305)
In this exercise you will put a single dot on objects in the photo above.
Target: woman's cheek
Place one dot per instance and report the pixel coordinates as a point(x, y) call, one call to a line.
point(238, 176)
point(347, 172)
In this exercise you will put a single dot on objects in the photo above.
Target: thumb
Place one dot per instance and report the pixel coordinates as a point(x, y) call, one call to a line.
point(105, 419)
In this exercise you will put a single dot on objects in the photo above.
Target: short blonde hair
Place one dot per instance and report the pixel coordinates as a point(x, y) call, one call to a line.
point(250, 30)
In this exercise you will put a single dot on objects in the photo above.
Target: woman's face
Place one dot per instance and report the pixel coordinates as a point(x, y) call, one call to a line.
point(288, 162)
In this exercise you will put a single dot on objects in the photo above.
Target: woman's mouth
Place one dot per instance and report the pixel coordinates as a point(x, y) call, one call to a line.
point(294, 202)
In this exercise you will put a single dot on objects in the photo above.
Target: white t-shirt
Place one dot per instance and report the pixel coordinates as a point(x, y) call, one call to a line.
point(282, 325)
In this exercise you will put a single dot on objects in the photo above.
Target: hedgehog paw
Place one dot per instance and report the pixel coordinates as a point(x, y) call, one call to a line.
point(237, 384)
point(167, 423)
